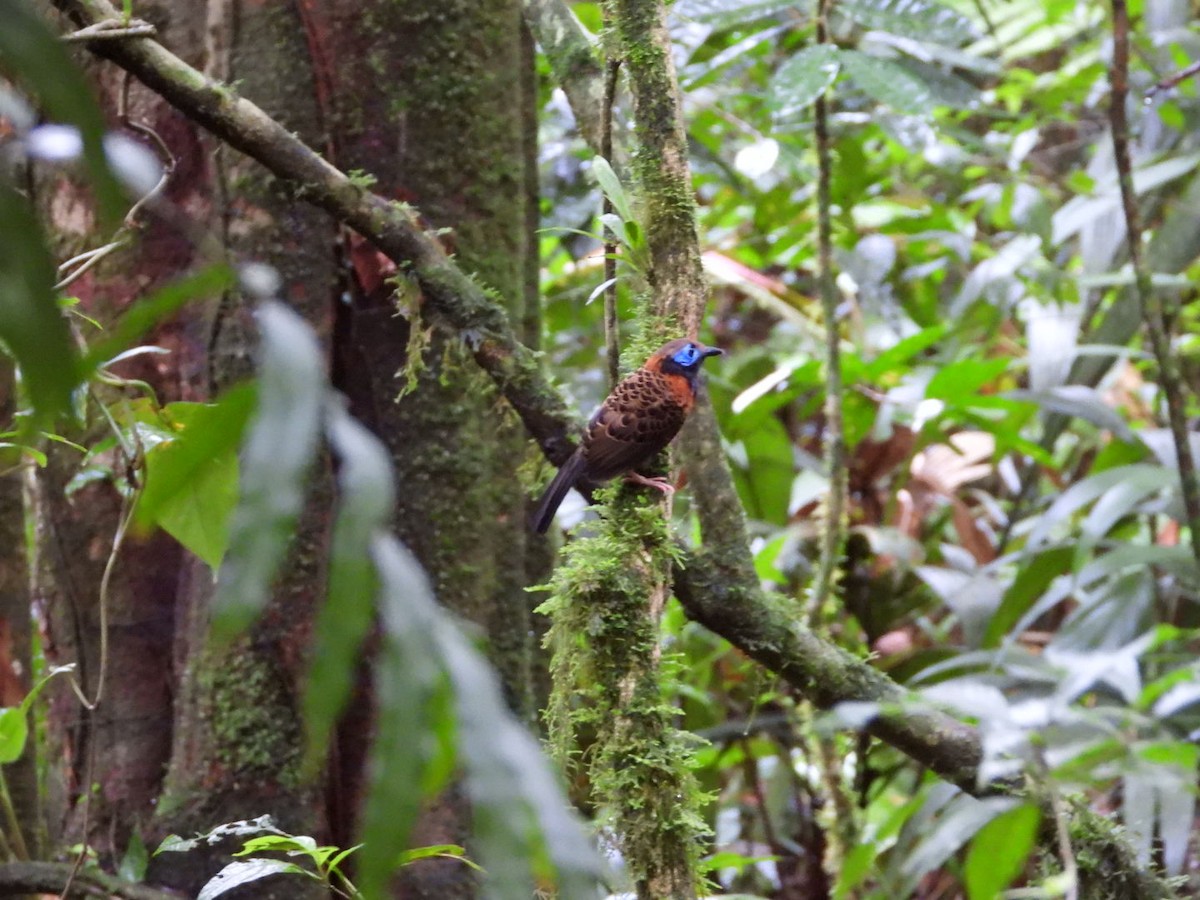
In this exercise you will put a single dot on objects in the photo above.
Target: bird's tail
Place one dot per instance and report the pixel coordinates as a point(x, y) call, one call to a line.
point(563, 482)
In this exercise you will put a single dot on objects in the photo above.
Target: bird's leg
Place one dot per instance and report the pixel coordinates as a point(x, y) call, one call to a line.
point(660, 484)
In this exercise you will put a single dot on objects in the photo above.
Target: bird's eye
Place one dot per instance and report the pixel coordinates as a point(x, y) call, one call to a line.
point(687, 356)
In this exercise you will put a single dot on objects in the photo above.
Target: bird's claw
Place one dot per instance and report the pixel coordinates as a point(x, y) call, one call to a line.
point(660, 484)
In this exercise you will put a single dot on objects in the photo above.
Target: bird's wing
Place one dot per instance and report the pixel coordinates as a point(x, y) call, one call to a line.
point(638, 419)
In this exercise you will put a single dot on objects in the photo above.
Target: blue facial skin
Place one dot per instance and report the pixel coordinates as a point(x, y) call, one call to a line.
point(687, 357)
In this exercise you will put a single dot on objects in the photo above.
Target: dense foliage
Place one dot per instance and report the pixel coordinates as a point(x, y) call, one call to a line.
point(1017, 546)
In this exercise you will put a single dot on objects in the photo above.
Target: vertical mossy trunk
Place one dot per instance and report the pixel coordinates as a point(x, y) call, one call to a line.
point(445, 124)
point(238, 734)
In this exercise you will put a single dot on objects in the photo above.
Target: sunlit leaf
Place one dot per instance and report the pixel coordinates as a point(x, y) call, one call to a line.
point(191, 477)
point(999, 851)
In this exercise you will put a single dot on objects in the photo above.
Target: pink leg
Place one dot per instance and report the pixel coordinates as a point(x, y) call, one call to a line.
point(660, 484)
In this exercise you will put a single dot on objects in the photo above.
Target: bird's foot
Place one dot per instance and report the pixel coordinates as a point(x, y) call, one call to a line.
point(660, 484)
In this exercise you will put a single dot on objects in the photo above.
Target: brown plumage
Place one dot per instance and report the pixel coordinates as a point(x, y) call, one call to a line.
point(637, 420)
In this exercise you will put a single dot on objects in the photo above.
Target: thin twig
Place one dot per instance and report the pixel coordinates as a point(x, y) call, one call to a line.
point(612, 326)
point(110, 30)
point(1148, 299)
point(17, 848)
point(835, 449)
point(1173, 81)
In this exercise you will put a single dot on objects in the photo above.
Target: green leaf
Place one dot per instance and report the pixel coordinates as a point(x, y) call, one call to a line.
point(887, 81)
point(276, 458)
point(14, 730)
point(917, 19)
point(962, 817)
point(523, 826)
point(804, 78)
point(30, 51)
point(999, 851)
point(191, 476)
point(611, 185)
point(365, 502)
point(134, 862)
point(32, 328)
point(14, 722)
point(1033, 576)
point(446, 851)
point(413, 750)
point(959, 382)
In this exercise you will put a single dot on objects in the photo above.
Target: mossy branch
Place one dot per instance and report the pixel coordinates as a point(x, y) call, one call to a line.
point(20, 879)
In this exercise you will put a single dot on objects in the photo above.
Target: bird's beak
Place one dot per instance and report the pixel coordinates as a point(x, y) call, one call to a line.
point(706, 352)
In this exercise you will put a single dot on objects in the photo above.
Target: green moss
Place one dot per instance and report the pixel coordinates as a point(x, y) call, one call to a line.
point(607, 682)
point(253, 725)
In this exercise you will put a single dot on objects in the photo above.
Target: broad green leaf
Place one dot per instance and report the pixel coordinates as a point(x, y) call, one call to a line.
point(173, 843)
point(445, 851)
point(903, 351)
point(366, 496)
point(14, 721)
point(192, 476)
point(999, 851)
point(524, 828)
point(32, 328)
point(247, 871)
point(959, 382)
point(803, 78)
point(917, 19)
point(434, 678)
point(958, 821)
point(134, 862)
point(30, 51)
point(887, 81)
point(276, 457)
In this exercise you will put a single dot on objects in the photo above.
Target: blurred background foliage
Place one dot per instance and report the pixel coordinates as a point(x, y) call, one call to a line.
point(1015, 548)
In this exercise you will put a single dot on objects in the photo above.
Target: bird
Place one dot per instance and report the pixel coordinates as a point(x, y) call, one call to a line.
point(637, 420)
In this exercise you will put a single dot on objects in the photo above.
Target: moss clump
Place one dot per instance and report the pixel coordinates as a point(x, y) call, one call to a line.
point(604, 602)
point(254, 728)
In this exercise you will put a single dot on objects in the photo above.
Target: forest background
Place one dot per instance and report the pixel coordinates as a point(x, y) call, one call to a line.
point(313, 295)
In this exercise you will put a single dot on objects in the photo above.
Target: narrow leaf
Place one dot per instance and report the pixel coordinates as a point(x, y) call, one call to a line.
point(365, 500)
point(31, 326)
point(276, 458)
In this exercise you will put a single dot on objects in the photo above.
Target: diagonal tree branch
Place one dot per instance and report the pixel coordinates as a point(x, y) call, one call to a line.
point(718, 587)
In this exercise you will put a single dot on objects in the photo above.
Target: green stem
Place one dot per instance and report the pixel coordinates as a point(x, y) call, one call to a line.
point(835, 447)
